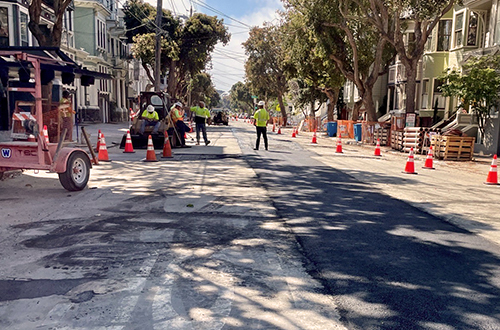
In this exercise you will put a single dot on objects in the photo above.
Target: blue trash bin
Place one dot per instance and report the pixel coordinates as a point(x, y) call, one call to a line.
point(357, 132)
point(331, 128)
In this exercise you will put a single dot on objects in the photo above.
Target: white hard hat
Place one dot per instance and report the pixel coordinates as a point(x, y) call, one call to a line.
point(150, 108)
point(178, 104)
point(262, 103)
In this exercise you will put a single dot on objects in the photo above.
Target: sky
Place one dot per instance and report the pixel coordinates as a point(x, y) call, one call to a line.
point(239, 16)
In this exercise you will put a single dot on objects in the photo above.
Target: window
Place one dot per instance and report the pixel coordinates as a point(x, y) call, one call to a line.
point(101, 34)
point(459, 28)
point(425, 93)
point(23, 23)
point(497, 27)
point(472, 33)
point(444, 36)
point(4, 26)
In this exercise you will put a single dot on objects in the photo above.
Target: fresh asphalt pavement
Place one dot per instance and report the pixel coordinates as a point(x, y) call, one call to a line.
point(388, 265)
point(225, 237)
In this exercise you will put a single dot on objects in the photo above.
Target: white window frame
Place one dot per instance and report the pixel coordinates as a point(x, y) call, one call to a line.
point(461, 29)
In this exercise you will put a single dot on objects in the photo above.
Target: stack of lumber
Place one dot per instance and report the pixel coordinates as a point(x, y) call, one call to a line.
point(381, 134)
point(453, 147)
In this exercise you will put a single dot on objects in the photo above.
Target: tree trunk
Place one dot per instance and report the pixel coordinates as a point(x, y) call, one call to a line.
point(371, 112)
point(355, 110)
point(172, 80)
point(411, 86)
point(282, 109)
point(333, 95)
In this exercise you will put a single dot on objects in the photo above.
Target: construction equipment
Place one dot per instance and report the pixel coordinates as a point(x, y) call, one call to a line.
point(161, 102)
point(26, 70)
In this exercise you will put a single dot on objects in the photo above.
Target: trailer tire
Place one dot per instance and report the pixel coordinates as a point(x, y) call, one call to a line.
point(77, 172)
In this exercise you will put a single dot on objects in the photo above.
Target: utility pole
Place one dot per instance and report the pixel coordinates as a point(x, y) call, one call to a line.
point(159, 13)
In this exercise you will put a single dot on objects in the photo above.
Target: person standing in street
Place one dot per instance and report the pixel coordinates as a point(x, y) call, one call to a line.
point(66, 113)
point(201, 114)
point(261, 117)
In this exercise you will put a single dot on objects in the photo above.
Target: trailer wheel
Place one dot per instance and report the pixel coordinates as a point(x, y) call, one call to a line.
point(77, 172)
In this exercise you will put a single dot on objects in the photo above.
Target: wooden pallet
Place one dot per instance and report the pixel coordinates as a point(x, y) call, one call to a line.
point(381, 134)
point(453, 147)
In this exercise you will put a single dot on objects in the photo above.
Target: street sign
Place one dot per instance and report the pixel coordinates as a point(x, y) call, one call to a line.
point(254, 96)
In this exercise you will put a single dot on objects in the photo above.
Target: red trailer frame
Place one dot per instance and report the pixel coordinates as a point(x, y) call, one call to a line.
point(72, 164)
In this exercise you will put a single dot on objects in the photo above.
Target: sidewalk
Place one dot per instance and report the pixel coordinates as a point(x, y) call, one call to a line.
point(454, 191)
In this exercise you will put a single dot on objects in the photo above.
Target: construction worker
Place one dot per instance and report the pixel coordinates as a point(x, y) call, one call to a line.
point(177, 115)
point(261, 117)
point(201, 114)
point(150, 118)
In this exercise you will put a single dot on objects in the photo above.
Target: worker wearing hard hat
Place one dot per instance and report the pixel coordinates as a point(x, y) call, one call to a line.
point(150, 118)
point(177, 115)
point(261, 118)
point(201, 114)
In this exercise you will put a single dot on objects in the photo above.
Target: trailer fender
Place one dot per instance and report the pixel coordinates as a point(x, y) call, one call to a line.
point(62, 159)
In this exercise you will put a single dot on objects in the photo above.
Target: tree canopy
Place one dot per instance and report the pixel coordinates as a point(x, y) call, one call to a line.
point(241, 97)
point(477, 86)
point(186, 44)
point(264, 68)
point(354, 46)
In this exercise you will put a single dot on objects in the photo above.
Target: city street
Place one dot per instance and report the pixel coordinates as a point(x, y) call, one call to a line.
point(226, 237)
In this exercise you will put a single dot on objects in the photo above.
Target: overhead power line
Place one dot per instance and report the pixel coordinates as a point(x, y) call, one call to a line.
point(219, 12)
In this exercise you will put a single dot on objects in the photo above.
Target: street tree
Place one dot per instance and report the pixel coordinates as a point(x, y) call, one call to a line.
point(308, 62)
point(264, 68)
point(357, 49)
point(476, 86)
point(201, 88)
point(197, 39)
point(186, 44)
point(47, 36)
point(141, 32)
point(406, 25)
point(241, 97)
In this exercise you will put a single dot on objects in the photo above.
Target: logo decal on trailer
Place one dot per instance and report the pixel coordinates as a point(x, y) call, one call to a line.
point(6, 153)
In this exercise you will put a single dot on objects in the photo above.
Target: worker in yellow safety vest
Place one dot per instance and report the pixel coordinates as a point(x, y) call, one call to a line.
point(261, 118)
point(201, 114)
point(150, 118)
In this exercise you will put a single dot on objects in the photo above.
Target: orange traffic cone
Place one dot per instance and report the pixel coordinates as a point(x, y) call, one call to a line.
point(429, 160)
point(314, 140)
point(410, 164)
point(294, 134)
point(279, 130)
point(492, 178)
point(377, 148)
point(103, 156)
point(339, 145)
point(98, 140)
point(274, 127)
point(150, 154)
point(129, 147)
point(45, 134)
point(167, 149)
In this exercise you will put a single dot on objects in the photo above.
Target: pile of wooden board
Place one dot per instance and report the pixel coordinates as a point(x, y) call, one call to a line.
point(453, 147)
point(381, 134)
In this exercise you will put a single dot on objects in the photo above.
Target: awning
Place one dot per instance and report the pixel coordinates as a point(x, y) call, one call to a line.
point(51, 59)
